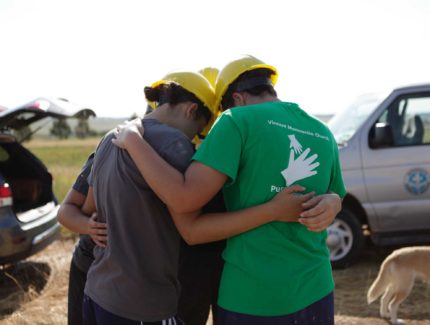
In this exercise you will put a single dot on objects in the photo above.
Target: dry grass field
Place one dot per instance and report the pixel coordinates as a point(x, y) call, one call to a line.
point(35, 290)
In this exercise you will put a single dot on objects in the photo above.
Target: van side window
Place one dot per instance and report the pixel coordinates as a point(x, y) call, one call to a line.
point(406, 122)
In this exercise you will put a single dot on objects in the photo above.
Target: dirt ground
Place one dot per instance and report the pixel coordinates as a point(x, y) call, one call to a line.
point(35, 291)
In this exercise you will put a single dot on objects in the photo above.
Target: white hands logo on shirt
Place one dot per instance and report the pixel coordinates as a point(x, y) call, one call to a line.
point(295, 144)
point(303, 166)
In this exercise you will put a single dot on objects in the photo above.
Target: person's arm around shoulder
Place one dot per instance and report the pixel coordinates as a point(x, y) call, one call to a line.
point(181, 192)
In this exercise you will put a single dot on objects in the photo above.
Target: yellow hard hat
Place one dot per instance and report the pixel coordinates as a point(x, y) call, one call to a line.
point(193, 82)
point(196, 84)
point(210, 73)
point(234, 69)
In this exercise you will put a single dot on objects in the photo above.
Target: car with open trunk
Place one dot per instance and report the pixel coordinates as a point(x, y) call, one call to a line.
point(28, 206)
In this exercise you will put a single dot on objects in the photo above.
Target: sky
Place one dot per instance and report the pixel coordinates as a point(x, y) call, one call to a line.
point(101, 53)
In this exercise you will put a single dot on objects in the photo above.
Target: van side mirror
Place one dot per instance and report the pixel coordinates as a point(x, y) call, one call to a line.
point(381, 136)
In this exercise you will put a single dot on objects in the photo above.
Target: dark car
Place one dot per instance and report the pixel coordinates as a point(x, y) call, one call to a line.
point(28, 206)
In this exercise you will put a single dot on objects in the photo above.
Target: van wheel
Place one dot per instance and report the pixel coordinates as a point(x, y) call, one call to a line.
point(345, 239)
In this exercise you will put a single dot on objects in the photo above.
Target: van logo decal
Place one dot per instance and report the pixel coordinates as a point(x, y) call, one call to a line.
point(417, 181)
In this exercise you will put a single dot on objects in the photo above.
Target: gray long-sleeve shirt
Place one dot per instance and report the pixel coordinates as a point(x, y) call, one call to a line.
point(135, 276)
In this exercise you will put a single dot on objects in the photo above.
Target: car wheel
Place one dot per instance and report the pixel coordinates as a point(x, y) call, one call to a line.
point(345, 239)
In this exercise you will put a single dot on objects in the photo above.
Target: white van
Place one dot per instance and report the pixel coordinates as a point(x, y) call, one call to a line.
point(384, 147)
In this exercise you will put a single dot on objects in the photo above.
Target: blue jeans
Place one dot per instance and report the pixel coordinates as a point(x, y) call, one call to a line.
point(320, 312)
point(93, 314)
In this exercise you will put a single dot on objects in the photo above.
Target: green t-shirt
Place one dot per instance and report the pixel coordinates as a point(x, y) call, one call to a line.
point(278, 268)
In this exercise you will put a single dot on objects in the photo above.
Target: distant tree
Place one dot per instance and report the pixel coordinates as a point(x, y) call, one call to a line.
point(82, 129)
point(61, 129)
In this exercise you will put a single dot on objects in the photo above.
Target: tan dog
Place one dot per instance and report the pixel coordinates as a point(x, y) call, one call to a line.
point(396, 278)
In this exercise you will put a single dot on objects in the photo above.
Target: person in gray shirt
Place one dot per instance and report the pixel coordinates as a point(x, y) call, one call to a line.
point(134, 278)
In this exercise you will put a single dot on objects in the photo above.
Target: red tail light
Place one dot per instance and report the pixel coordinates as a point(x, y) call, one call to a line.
point(5, 195)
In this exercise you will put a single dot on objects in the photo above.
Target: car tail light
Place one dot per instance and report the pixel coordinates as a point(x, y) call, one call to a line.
point(5, 195)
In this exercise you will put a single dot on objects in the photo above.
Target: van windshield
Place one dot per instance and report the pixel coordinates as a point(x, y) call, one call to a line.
point(345, 123)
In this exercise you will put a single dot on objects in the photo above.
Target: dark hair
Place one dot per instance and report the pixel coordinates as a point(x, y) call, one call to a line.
point(173, 94)
point(245, 82)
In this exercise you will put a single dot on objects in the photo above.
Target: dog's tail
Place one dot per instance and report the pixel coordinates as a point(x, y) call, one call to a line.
point(381, 282)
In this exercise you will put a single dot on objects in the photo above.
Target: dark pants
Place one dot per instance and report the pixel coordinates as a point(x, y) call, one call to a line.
point(96, 315)
point(77, 279)
point(199, 276)
point(320, 312)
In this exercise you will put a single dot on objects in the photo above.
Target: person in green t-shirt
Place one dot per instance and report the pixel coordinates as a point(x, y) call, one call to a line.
point(277, 273)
